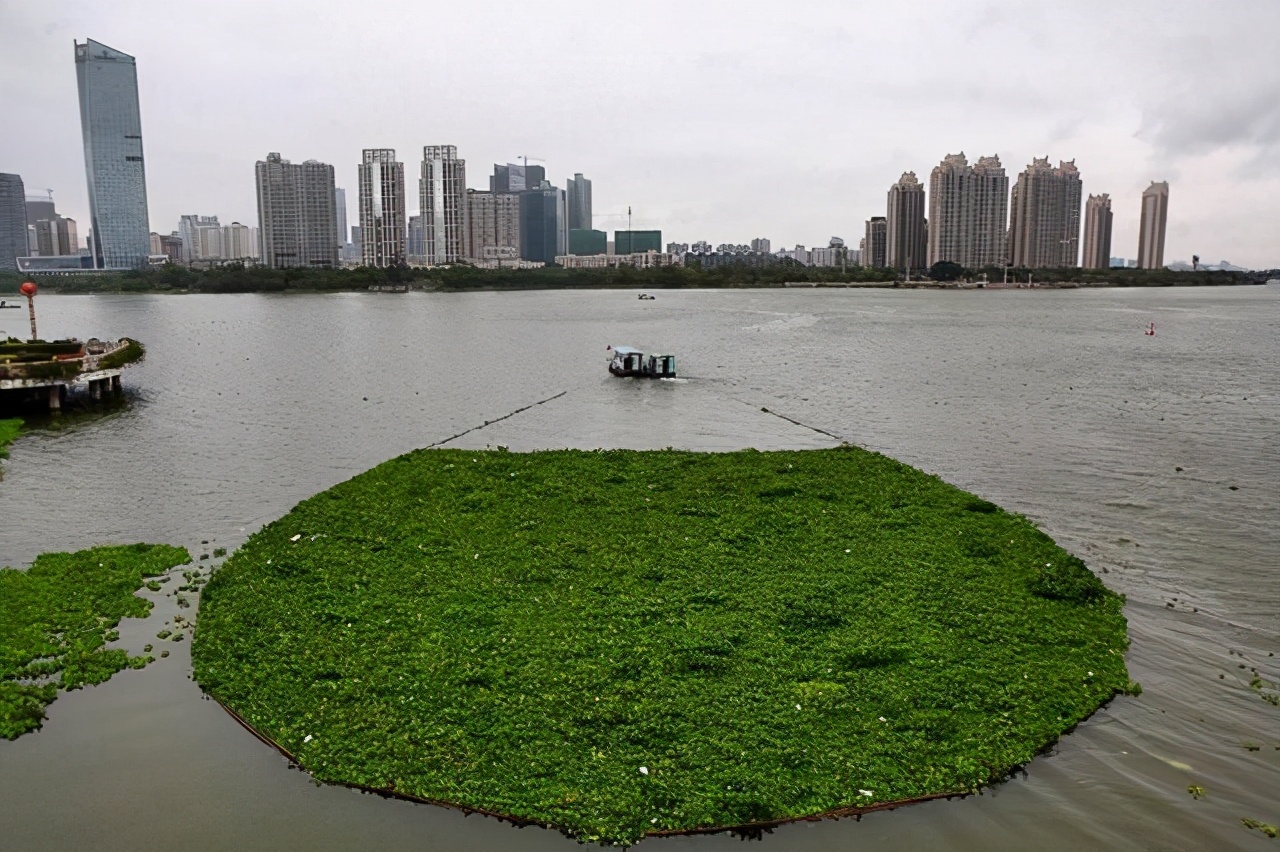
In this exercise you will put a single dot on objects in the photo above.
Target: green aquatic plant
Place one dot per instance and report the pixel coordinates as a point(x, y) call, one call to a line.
point(621, 643)
point(132, 351)
point(1257, 825)
point(56, 618)
point(9, 429)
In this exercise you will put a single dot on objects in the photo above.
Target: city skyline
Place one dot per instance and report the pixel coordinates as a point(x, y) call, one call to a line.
point(682, 174)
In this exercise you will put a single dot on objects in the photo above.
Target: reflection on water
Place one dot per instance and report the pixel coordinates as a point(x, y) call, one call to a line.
point(1126, 448)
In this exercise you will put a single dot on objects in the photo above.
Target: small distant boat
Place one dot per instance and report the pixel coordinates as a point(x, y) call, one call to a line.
point(1151, 330)
point(629, 361)
point(646, 296)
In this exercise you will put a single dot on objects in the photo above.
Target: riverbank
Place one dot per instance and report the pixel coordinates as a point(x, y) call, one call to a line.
point(620, 644)
point(236, 279)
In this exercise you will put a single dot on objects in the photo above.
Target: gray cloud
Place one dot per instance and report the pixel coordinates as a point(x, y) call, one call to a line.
point(714, 119)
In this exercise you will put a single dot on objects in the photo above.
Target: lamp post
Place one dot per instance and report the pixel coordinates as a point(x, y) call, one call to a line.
point(28, 289)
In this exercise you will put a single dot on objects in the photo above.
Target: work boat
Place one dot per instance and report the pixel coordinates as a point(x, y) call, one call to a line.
point(628, 361)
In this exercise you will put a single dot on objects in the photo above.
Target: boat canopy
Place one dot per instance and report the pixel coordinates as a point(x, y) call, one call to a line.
point(624, 351)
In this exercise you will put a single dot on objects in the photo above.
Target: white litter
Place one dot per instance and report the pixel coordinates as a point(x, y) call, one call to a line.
point(296, 537)
point(307, 738)
point(865, 792)
point(644, 770)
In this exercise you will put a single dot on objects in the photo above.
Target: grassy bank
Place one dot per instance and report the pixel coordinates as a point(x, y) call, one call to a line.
point(621, 643)
point(56, 618)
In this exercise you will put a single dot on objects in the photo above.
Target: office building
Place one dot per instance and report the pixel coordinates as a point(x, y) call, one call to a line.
point(493, 225)
point(635, 242)
point(586, 241)
point(578, 193)
point(968, 212)
point(415, 246)
point(48, 234)
point(515, 177)
point(56, 237)
point(442, 194)
point(1044, 216)
point(382, 225)
point(544, 234)
point(297, 220)
point(111, 125)
point(760, 244)
point(873, 244)
point(340, 209)
point(1097, 232)
point(906, 241)
point(1155, 212)
point(13, 222)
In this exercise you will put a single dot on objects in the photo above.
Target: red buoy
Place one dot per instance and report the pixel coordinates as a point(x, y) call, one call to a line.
point(28, 289)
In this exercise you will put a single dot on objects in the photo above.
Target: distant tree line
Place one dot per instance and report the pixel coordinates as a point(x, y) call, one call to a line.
point(235, 278)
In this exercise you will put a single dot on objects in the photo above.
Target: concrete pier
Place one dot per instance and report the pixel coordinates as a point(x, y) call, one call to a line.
point(102, 384)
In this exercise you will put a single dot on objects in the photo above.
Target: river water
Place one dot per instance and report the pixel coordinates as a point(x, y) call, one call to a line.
point(1156, 459)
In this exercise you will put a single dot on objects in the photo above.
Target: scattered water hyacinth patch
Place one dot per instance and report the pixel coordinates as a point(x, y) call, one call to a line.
point(621, 643)
point(56, 618)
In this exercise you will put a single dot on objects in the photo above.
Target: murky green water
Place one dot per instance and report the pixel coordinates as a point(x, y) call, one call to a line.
point(1053, 404)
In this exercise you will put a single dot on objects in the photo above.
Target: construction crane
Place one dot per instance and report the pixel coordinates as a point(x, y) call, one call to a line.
point(526, 158)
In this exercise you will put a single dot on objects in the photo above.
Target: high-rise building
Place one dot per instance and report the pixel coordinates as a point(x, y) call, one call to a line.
point(515, 177)
point(296, 216)
point(382, 225)
point(1155, 213)
point(442, 193)
point(171, 246)
point(239, 242)
point(13, 222)
point(49, 234)
point(201, 238)
point(990, 205)
point(1097, 232)
point(112, 128)
point(1044, 216)
point(41, 206)
point(760, 244)
point(950, 211)
point(874, 243)
point(634, 242)
point(906, 241)
point(493, 225)
point(340, 209)
point(578, 191)
point(415, 247)
point(543, 220)
point(968, 209)
point(508, 178)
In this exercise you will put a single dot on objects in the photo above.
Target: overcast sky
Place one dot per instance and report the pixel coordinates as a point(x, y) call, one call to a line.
point(713, 120)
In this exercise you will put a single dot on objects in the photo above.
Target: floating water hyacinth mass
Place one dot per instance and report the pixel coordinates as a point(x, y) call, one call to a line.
point(623, 643)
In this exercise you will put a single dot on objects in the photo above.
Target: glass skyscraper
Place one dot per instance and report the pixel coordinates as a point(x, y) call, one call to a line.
point(112, 129)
